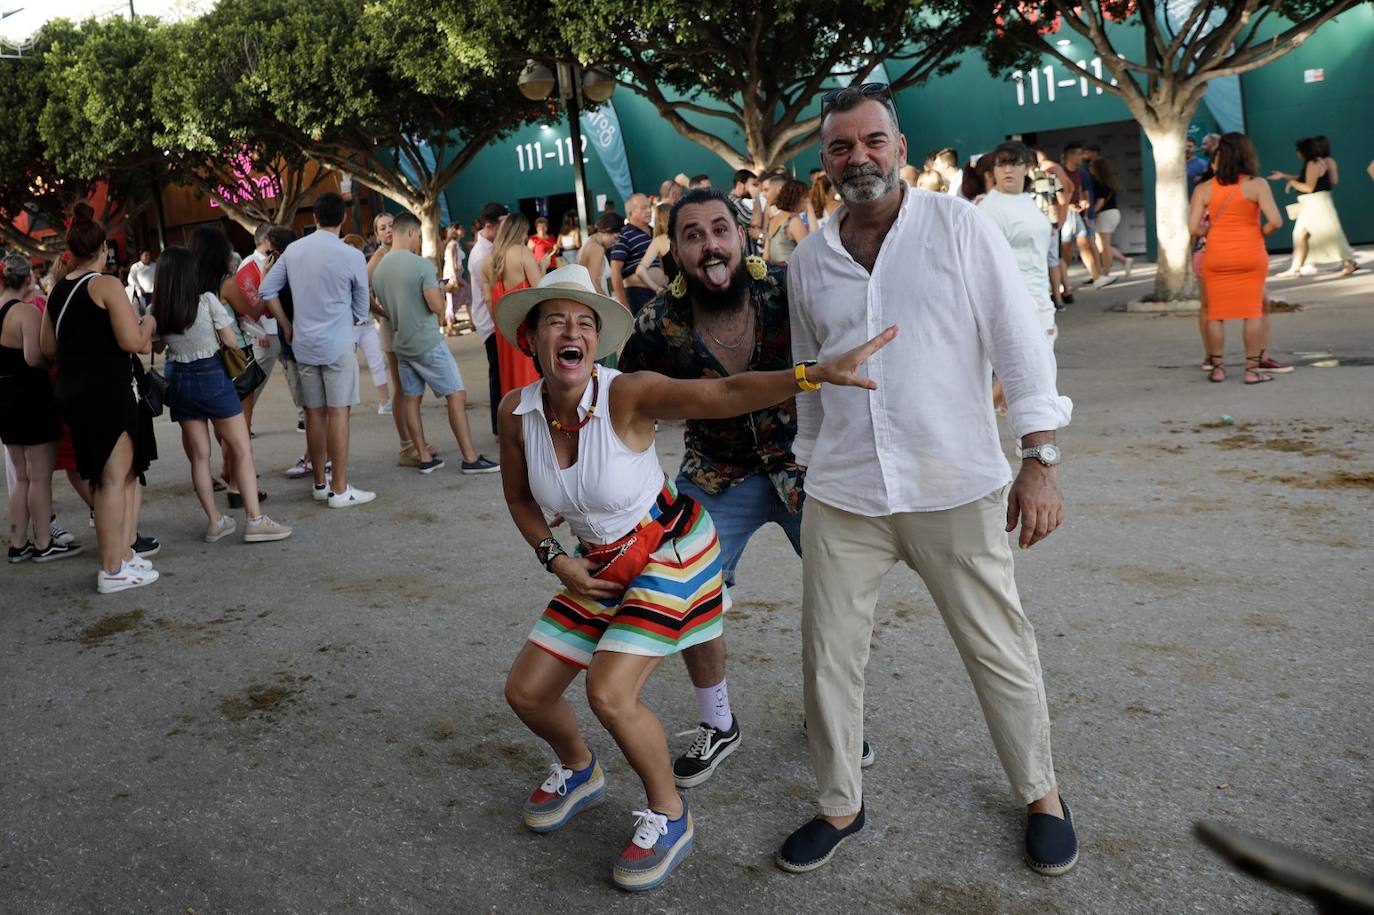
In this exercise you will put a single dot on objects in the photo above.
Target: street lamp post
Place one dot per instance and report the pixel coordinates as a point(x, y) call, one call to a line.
point(536, 83)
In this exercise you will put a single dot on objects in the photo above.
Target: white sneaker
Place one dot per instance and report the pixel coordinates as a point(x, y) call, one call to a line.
point(127, 577)
point(350, 497)
point(220, 529)
point(60, 535)
point(136, 561)
point(1105, 279)
point(301, 468)
point(1130, 262)
point(384, 409)
point(321, 493)
point(1307, 270)
point(264, 530)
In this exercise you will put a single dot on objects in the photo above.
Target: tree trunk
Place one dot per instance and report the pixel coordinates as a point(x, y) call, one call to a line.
point(431, 245)
point(1167, 136)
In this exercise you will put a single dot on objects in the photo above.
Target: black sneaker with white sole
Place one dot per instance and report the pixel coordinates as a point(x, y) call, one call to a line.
point(147, 547)
point(708, 750)
point(56, 550)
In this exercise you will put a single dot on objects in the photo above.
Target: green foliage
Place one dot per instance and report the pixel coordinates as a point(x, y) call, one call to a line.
point(99, 111)
point(758, 65)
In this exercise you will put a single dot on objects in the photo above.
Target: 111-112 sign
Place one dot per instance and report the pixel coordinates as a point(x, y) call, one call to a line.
point(532, 156)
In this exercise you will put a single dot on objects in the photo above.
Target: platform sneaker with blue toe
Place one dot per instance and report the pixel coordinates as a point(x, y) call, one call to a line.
point(655, 849)
point(564, 794)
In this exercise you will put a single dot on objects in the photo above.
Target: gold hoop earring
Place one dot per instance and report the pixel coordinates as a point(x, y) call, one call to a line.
point(757, 266)
point(678, 287)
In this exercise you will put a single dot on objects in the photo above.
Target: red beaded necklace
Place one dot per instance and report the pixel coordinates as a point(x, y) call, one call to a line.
point(569, 430)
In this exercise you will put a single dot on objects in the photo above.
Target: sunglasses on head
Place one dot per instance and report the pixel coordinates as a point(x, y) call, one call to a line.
point(867, 90)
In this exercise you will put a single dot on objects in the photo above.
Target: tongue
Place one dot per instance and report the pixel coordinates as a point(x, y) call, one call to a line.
point(717, 275)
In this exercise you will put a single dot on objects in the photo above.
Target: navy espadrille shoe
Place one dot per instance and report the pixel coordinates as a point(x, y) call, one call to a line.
point(1051, 843)
point(813, 845)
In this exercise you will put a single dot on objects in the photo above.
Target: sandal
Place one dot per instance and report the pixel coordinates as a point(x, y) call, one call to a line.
point(218, 484)
point(1252, 368)
point(1217, 368)
point(1349, 267)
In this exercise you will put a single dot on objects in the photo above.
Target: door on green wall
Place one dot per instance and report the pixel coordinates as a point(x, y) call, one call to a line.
point(1120, 142)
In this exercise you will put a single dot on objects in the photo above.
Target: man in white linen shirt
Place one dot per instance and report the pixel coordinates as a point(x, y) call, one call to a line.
point(913, 471)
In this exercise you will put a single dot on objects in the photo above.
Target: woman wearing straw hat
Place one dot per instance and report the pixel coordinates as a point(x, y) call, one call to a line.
point(644, 581)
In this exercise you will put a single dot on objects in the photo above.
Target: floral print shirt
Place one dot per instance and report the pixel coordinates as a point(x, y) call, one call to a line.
point(722, 452)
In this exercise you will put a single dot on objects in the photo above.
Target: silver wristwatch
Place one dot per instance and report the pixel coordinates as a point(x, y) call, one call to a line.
point(1047, 454)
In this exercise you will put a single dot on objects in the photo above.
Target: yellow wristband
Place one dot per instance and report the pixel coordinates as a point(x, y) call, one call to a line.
point(799, 372)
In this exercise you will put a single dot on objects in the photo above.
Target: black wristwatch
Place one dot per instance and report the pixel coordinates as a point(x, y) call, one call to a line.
point(548, 550)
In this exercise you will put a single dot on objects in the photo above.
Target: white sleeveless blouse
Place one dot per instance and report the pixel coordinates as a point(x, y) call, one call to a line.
point(610, 488)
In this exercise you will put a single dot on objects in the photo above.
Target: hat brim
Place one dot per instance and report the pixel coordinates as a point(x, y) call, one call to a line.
point(616, 320)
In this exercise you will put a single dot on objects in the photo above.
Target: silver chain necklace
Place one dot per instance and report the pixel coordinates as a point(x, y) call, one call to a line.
point(744, 333)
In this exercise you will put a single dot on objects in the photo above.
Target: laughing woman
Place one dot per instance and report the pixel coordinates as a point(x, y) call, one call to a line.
point(644, 581)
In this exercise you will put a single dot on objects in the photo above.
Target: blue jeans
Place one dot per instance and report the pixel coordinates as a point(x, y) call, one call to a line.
point(741, 510)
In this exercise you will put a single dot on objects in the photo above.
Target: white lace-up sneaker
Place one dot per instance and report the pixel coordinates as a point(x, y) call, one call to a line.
point(350, 497)
point(128, 576)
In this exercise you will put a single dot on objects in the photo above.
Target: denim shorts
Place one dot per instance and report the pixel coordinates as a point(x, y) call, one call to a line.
point(201, 390)
point(1075, 226)
point(435, 368)
point(739, 511)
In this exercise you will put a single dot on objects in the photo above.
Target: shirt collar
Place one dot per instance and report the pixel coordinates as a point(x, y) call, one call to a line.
point(532, 398)
point(831, 230)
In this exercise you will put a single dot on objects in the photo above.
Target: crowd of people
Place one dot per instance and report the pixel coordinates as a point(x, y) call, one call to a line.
point(844, 392)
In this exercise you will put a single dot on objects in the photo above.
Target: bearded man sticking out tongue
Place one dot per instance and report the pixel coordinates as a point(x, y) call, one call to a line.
point(721, 316)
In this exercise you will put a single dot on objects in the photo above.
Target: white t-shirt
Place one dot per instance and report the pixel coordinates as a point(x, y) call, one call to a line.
point(143, 276)
point(1027, 230)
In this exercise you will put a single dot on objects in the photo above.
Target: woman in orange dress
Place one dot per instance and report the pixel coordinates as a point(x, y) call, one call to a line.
point(511, 266)
point(1236, 264)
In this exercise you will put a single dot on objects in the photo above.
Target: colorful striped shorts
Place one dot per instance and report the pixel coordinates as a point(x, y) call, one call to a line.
point(676, 601)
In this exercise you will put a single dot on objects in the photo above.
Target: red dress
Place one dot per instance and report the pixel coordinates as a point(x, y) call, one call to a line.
point(517, 369)
point(1236, 263)
point(543, 246)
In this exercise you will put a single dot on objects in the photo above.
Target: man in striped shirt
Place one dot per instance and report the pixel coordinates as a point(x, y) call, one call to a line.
point(628, 251)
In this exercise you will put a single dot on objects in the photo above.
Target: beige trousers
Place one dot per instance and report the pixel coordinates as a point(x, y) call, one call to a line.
point(964, 558)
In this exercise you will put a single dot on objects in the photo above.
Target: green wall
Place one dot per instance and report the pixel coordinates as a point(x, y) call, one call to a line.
point(1280, 108)
point(972, 111)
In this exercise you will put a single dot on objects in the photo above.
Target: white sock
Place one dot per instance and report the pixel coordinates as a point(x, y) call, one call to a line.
point(714, 704)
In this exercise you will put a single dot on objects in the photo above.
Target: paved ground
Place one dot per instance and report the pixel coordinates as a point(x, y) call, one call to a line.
point(317, 726)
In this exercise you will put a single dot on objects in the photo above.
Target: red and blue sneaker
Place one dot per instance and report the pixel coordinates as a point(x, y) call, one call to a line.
point(564, 794)
point(655, 849)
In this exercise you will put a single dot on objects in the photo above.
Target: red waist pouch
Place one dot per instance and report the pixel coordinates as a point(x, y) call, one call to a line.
point(621, 560)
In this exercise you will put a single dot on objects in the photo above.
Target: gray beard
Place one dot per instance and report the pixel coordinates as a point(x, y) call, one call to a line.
point(867, 186)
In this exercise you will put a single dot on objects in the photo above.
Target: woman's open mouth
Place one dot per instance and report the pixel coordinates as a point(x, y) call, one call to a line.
point(569, 357)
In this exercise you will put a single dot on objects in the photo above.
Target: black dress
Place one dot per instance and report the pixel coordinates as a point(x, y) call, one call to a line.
point(27, 413)
point(97, 392)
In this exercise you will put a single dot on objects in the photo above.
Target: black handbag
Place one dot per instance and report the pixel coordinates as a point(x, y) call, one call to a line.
point(152, 386)
point(243, 370)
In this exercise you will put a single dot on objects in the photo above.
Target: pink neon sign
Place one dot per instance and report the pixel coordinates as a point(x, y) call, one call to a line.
point(248, 186)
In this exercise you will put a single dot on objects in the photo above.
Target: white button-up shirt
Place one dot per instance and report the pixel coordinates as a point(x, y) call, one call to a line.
point(926, 439)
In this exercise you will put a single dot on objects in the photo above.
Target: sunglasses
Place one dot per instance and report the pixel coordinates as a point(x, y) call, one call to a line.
point(867, 90)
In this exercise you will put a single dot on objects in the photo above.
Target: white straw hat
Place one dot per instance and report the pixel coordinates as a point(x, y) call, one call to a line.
point(570, 282)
